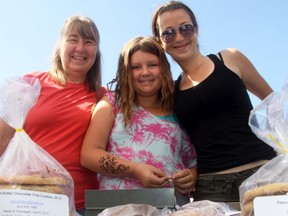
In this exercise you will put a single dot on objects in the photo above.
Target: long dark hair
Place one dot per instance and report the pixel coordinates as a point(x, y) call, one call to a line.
point(171, 5)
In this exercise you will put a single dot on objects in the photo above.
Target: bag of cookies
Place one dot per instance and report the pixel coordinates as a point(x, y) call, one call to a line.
point(269, 121)
point(205, 208)
point(25, 167)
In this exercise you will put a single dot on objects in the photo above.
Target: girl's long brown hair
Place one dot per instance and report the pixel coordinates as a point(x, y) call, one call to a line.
point(124, 92)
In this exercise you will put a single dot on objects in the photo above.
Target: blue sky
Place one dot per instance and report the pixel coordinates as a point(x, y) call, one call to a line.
point(30, 28)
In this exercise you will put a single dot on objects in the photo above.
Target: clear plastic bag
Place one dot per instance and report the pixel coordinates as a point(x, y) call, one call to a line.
point(134, 210)
point(269, 121)
point(24, 164)
point(205, 208)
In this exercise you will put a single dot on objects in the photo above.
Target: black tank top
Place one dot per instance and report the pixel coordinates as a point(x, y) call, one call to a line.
point(215, 115)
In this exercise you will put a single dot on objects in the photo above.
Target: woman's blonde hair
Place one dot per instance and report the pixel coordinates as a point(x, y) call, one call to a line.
point(88, 30)
point(125, 96)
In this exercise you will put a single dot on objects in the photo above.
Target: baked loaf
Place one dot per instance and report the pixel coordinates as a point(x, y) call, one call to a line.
point(34, 183)
point(187, 212)
point(199, 208)
point(265, 190)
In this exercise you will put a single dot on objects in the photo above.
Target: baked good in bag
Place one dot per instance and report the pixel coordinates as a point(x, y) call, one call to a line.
point(35, 183)
point(187, 212)
point(198, 208)
point(41, 188)
point(33, 180)
point(280, 188)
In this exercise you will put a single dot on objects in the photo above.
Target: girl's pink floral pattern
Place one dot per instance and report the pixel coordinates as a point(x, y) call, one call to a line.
point(148, 139)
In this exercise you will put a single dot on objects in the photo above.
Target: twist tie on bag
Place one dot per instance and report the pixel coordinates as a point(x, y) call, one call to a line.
point(19, 130)
point(282, 147)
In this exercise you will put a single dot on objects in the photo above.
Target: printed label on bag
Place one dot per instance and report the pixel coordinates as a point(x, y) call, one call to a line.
point(271, 205)
point(32, 203)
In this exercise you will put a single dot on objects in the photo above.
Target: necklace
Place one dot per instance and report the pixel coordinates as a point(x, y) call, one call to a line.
point(194, 83)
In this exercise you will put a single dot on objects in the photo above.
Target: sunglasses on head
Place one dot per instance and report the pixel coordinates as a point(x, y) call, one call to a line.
point(186, 30)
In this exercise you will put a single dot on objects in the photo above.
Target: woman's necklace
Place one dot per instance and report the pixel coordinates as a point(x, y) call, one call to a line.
point(194, 83)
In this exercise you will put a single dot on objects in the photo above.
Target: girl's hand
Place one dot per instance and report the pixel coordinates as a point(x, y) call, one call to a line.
point(150, 176)
point(185, 180)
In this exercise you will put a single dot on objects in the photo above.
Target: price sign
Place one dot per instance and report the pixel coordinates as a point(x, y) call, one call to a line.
point(32, 203)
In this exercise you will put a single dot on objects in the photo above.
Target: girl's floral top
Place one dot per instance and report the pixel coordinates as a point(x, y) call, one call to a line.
point(147, 139)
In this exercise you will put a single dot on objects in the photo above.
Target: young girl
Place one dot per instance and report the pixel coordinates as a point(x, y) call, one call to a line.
point(133, 140)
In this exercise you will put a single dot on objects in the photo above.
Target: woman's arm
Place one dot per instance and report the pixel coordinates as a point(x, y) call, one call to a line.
point(6, 134)
point(95, 157)
point(243, 67)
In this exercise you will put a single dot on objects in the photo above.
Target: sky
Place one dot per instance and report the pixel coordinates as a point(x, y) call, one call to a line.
point(258, 28)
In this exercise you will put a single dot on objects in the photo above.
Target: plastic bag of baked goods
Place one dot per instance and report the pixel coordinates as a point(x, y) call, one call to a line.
point(31, 181)
point(269, 121)
point(134, 210)
point(205, 208)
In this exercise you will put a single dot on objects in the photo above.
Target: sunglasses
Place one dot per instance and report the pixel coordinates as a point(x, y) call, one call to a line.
point(186, 30)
